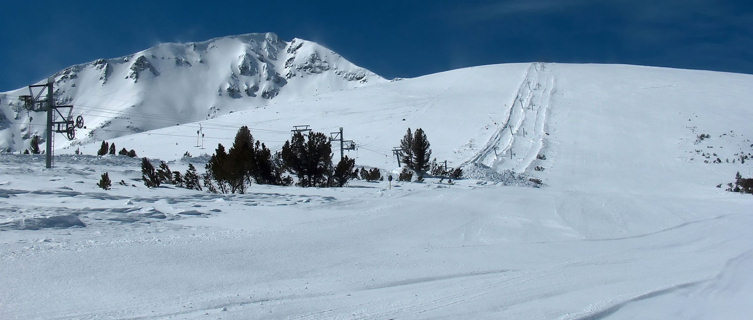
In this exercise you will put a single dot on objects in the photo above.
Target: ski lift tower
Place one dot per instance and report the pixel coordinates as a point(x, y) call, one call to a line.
point(38, 101)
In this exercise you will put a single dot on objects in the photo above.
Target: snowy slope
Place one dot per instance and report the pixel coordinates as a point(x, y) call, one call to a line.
point(174, 83)
point(629, 223)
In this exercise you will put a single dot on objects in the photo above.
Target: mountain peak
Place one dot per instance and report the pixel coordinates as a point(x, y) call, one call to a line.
point(186, 82)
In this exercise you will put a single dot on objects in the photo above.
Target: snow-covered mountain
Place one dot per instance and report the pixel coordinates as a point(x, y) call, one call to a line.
point(632, 220)
point(175, 83)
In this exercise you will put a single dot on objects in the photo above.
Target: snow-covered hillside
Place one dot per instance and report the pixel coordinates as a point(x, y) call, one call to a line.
point(628, 224)
point(175, 83)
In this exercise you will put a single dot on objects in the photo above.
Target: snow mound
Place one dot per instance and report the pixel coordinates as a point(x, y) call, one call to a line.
point(507, 177)
point(56, 222)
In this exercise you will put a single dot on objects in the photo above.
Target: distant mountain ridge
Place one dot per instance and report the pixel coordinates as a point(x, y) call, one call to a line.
point(174, 83)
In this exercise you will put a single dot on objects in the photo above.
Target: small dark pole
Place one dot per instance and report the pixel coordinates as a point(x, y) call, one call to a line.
point(50, 107)
point(341, 144)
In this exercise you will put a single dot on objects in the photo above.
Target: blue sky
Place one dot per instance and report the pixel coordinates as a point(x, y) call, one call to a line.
point(391, 38)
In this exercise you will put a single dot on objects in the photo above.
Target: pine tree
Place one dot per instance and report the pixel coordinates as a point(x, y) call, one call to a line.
point(34, 145)
point(132, 153)
point(421, 152)
point(103, 149)
point(293, 154)
point(123, 152)
point(241, 160)
point(112, 148)
point(178, 179)
point(207, 178)
point(191, 179)
point(320, 158)
point(343, 171)
point(415, 151)
point(217, 169)
point(104, 182)
point(265, 172)
point(148, 174)
point(164, 175)
point(406, 149)
point(310, 160)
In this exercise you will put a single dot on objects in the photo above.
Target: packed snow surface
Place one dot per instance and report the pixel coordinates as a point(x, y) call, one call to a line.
point(628, 223)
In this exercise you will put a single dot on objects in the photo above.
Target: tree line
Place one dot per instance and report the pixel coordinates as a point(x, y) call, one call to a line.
point(304, 160)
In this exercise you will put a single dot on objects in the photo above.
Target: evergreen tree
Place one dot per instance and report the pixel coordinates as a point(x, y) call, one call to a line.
point(132, 153)
point(406, 149)
point(191, 178)
point(320, 158)
point(103, 149)
point(207, 178)
point(148, 174)
point(241, 160)
point(421, 152)
point(112, 148)
point(104, 182)
point(343, 171)
point(123, 152)
point(217, 169)
point(293, 155)
point(34, 145)
point(164, 175)
point(178, 179)
point(309, 159)
point(265, 171)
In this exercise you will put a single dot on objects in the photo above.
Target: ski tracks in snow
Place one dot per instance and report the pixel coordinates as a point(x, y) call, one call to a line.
point(516, 144)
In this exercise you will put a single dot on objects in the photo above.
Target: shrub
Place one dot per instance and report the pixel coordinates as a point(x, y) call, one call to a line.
point(103, 149)
point(123, 152)
point(132, 153)
point(34, 145)
point(371, 175)
point(743, 185)
point(457, 173)
point(405, 175)
point(104, 182)
point(437, 169)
